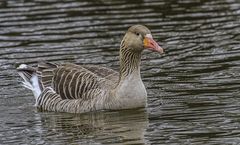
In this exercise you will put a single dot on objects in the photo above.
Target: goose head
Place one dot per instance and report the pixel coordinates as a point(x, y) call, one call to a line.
point(138, 38)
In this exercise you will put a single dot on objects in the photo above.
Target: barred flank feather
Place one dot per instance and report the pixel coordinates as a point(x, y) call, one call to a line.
point(51, 101)
point(73, 83)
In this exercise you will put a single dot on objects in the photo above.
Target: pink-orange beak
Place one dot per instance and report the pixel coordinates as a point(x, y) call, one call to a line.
point(151, 44)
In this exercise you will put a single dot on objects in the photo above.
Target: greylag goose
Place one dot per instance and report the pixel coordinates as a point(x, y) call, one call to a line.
point(84, 88)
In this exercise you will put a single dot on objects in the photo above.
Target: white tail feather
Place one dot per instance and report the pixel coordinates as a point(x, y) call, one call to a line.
point(32, 84)
point(36, 87)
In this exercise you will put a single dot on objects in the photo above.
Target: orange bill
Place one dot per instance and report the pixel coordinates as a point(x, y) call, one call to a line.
point(151, 44)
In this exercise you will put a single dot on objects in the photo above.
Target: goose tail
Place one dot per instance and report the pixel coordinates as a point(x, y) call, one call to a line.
point(30, 79)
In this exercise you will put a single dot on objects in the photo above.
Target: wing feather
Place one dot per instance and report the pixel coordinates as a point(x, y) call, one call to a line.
point(72, 81)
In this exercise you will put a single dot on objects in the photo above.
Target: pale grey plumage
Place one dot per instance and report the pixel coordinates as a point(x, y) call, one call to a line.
point(77, 89)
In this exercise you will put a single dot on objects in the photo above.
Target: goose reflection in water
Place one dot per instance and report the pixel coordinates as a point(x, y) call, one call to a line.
point(116, 127)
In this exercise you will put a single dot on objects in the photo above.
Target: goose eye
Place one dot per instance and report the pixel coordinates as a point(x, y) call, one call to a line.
point(138, 34)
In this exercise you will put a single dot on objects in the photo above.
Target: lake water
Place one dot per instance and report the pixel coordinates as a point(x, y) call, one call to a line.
point(193, 89)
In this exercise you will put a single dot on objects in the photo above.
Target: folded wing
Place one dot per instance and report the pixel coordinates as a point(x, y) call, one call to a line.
point(72, 81)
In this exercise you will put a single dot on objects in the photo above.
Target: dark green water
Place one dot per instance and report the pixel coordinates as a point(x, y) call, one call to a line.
point(193, 89)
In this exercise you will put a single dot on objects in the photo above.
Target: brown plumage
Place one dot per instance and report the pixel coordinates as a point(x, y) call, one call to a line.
point(82, 88)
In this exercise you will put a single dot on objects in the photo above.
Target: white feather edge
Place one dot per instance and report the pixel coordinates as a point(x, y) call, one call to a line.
point(22, 66)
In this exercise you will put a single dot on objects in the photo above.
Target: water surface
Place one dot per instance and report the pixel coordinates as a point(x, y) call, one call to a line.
point(193, 88)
